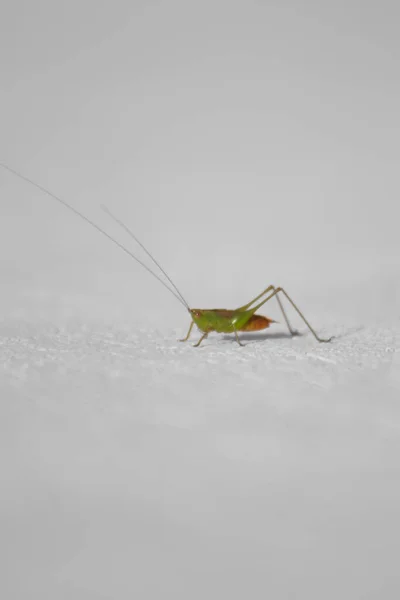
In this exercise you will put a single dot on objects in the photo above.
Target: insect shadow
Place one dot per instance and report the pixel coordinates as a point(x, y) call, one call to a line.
point(278, 335)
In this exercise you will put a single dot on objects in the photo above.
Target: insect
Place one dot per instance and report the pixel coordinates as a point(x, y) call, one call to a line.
point(219, 320)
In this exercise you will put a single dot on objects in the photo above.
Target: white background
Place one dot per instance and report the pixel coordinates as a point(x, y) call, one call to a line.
point(245, 143)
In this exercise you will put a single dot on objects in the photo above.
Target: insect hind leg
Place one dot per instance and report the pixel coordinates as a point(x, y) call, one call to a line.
point(274, 293)
point(303, 317)
point(291, 329)
point(271, 288)
point(246, 306)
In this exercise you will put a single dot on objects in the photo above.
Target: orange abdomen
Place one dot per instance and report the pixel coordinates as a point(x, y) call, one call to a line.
point(256, 323)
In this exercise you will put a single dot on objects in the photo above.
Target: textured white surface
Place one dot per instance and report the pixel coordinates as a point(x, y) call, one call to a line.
point(135, 466)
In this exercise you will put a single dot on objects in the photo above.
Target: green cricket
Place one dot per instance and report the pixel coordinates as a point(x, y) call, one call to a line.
point(220, 320)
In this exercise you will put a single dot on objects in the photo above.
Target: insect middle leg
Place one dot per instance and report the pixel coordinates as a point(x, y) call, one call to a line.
point(203, 337)
point(237, 339)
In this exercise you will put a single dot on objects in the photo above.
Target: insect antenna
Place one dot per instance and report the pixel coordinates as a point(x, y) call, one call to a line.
point(126, 228)
point(82, 216)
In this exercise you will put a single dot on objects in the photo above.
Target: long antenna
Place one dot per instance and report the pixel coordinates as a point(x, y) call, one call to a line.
point(126, 228)
point(82, 216)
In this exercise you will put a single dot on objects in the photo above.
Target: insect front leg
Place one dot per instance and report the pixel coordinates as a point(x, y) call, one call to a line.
point(188, 333)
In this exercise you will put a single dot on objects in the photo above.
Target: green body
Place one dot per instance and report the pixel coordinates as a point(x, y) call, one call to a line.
point(221, 320)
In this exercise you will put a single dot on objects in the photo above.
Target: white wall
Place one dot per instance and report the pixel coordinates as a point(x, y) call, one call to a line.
point(244, 142)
